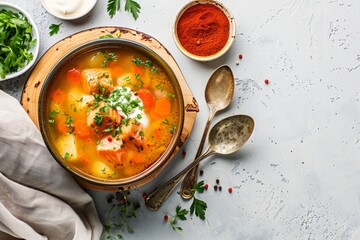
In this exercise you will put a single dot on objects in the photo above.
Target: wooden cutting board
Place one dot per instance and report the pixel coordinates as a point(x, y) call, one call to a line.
point(31, 91)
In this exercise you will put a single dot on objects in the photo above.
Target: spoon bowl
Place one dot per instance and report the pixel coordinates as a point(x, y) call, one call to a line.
point(219, 92)
point(226, 137)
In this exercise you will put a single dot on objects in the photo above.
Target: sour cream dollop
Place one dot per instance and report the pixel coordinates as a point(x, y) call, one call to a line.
point(128, 104)
point(67, 8)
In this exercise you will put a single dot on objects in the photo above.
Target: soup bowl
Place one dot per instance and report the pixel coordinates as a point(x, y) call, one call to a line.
point(106, 173)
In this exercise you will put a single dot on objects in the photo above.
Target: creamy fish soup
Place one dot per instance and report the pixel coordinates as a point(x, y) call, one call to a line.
point(111, 113)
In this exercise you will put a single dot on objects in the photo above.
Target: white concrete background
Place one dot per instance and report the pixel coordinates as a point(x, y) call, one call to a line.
point(298, 177)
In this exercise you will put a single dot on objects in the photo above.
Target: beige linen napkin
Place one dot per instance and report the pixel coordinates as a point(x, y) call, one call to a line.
point(38, 198)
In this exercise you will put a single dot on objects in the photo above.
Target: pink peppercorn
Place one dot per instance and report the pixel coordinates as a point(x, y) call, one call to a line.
point(166, 217)
point(266, 81)
point(230, 189)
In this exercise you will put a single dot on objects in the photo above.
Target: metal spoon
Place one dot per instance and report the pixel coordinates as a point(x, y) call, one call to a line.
point(226, 137)
point(219, 92)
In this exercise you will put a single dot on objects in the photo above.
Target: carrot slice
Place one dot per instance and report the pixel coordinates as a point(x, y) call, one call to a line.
point(157, 133)
point(84, 157)
point(147, 98)
point(139, 70)
point(81, 129)
point(138, 158)
point(116, 71)
point(162, 107)
point(58, 96)
point(61, 125)
point(74, 76)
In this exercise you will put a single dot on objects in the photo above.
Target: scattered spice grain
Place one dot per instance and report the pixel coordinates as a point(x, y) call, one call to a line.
point(266, 81)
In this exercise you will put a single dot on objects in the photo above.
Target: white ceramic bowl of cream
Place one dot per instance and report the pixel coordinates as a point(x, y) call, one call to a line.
point(68, 9)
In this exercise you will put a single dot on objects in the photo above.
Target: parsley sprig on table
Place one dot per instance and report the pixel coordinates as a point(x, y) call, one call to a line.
point(198, 206)
point(179, 214)
point(130, 6)
point(15, 42)
point(54, 28)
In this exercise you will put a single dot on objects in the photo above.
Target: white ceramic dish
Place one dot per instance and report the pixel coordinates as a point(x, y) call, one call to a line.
point(227, 46)
point(87, 7)
point(35, 35)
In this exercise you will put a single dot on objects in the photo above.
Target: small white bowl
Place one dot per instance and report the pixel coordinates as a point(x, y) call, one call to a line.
point(35, 35)
point(232, 31)
point(87, 6)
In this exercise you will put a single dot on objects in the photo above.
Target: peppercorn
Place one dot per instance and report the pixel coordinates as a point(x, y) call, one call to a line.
point(166, 217)
point(240, 56)
point(230, 189)
point(183, 154)
point(145, 195)
point(206, 186)
point(220, 188)
point(266, 81)
point(110, 199)
point(109, 139)
point(215, 187)
point(122, 200)
point(217, 181)
point(201, 172)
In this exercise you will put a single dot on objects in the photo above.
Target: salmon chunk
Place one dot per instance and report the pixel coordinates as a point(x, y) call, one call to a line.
point(133, 133)
point(111, 150)
point(98, 81)
point(103, 117)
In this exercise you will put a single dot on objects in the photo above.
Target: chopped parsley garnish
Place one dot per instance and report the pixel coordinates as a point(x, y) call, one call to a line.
point(68, 121)
point(54, 28)
point(138, 62)
point(108, 57)
point(51, 121)
point(98, 119)
point(67, 156)
point(172, 128)
point(141, 133)
point(54, 113)
point(171, 95)
point(160, 87)
point(106, 36)
point(166, 121)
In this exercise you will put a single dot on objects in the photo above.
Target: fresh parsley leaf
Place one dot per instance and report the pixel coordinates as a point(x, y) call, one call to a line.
point(179, 214)
point(199, 187)
point(51, 121)
point(199, 207)
point(112, 7)
point(166, 121)
point(171, 95)
point(133, 7)
point(54, 28)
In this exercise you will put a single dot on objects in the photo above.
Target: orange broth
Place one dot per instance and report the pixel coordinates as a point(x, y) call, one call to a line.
point(81, 122)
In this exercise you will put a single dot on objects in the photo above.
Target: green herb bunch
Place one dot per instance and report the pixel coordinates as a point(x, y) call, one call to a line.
point(119, 215)
point(15, 42)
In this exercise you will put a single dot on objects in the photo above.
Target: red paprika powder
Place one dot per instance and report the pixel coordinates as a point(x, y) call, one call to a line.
point(203, 29)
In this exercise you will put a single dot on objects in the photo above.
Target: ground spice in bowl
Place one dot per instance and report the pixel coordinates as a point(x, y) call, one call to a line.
point(204, 28)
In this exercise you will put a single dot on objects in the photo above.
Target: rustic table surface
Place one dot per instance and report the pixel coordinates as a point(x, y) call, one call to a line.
point(298, 176)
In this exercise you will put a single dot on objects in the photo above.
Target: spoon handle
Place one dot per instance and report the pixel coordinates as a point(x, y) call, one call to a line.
point(190, 179)
point(156, 198)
